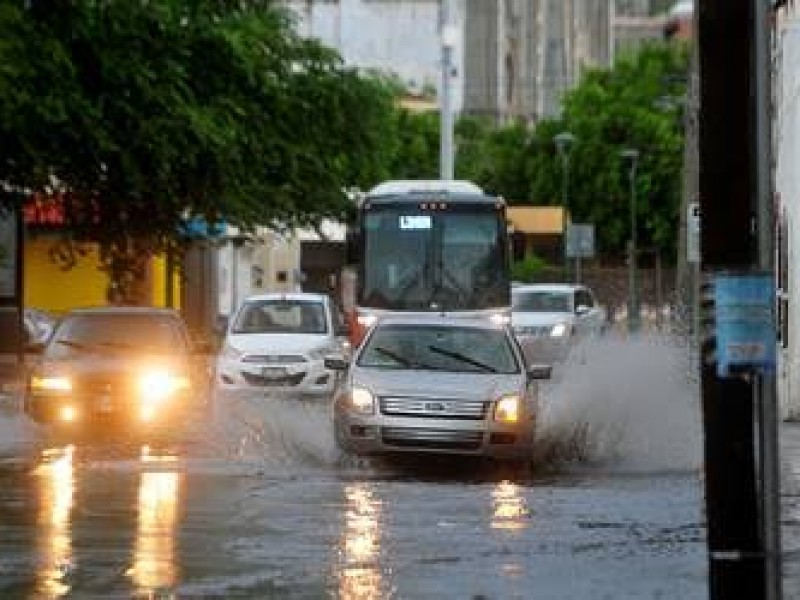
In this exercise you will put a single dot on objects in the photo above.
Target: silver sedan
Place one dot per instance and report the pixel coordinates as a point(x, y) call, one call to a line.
point(437, 384)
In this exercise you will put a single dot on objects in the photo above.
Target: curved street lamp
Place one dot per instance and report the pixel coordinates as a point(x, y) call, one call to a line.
point(631, 157)
point(564, 142)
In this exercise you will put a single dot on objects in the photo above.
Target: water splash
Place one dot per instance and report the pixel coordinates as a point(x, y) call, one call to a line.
point(629, 404)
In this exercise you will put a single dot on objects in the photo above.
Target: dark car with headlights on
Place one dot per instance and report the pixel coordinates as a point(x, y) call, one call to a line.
point(437, 384)
point(134, 369)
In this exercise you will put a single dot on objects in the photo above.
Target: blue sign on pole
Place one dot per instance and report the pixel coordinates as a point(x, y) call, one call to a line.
point(744, 306)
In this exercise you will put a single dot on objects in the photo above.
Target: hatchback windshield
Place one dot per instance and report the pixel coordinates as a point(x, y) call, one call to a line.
point(281, 316)
point(102, 333)
point(541, 301)
point(440, 348)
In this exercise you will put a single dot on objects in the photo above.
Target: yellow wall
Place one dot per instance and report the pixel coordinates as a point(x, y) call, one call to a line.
point(159, 283)
point(48, 286)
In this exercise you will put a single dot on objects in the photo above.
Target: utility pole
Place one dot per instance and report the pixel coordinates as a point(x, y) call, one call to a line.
point(738, 408)
point(631, 156)
point(564, 142)
point(448, 34)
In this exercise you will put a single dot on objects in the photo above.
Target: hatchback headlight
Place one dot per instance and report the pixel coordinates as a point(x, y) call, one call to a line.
point(507, 409)
point(559, 330)
point(362, 401)
point(51, 384)
point(321, 352)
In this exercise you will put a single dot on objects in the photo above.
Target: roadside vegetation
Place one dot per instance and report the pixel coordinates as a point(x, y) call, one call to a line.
point(138, 116)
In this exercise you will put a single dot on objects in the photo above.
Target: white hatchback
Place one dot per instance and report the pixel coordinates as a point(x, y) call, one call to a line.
point(277, 343)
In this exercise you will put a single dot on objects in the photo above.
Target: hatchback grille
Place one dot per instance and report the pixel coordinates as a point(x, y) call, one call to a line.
point(274, 359)
point(434, 408)
point(288, 380)
point(440, 439)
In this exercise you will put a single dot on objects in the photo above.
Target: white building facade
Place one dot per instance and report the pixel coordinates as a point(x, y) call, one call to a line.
point(786, 151)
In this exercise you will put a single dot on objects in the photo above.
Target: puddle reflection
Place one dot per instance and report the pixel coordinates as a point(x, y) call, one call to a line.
point(509, 510)
point(155, 558)
point(360, 574)
point(56, 481)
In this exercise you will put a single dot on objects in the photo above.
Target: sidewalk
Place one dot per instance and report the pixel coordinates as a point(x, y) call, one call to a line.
point(790, 507)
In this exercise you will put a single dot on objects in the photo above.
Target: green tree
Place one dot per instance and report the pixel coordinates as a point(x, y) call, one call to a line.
point(141, 113)
point(634, 105)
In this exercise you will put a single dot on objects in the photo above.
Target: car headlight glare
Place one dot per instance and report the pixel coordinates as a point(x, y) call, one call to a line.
point(155, 386)
point(51, 384)
point(559, 330)
point(507, 409)
point(362, 401)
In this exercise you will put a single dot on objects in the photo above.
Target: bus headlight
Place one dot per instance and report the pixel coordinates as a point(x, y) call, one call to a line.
point(506, 410)
point(367, 321)
point(362, 401)
point(500, 318)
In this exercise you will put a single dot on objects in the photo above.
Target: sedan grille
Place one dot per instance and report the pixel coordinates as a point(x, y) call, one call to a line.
point(434, 408)
point(439, 439)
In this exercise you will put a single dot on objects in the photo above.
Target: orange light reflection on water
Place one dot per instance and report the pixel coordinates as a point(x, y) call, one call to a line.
point(56, 479)
point(360, 574)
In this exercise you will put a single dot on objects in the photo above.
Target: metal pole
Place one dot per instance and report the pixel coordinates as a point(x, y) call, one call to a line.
point(766, 392)
point(565, 207)
point(632, 155)
point(447, 33)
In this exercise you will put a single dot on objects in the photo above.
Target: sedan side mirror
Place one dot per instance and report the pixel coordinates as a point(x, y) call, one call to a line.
point(539, 372)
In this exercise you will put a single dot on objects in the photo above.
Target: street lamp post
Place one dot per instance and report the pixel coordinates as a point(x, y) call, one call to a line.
point(631, 156)
point(563, 142)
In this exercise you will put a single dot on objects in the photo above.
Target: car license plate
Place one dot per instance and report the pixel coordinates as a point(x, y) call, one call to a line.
point(273, 372)
point(104, 404)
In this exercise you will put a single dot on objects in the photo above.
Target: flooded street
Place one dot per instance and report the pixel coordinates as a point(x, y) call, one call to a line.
point(260, 504)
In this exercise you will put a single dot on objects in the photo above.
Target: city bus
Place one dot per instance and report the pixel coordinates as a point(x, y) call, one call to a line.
point(430, 246)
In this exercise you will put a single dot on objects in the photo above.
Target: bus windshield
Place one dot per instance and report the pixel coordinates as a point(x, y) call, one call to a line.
point(434, 260)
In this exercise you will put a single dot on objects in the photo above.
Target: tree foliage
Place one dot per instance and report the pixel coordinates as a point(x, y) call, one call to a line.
point(635, 104)
point(139, 114)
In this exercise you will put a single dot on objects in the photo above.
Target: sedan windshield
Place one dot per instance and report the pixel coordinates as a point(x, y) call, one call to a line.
point(541, 301)
point(117, 333)
point(440, 348)
point(281, 316)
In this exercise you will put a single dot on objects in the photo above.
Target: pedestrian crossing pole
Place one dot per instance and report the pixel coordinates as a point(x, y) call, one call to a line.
point(736, 237)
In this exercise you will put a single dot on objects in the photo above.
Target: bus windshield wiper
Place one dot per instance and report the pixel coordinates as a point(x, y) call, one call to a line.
point(463, 358)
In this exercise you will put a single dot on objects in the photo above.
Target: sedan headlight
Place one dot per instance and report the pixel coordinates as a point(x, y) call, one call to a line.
point(51, 384)
point(507, 409)
point(157, 386)
point(559, 330)
point(362, 401)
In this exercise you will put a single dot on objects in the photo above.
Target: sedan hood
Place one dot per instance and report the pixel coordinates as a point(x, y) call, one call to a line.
point(94, 364)
point(274, 343)
point(466, 386)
